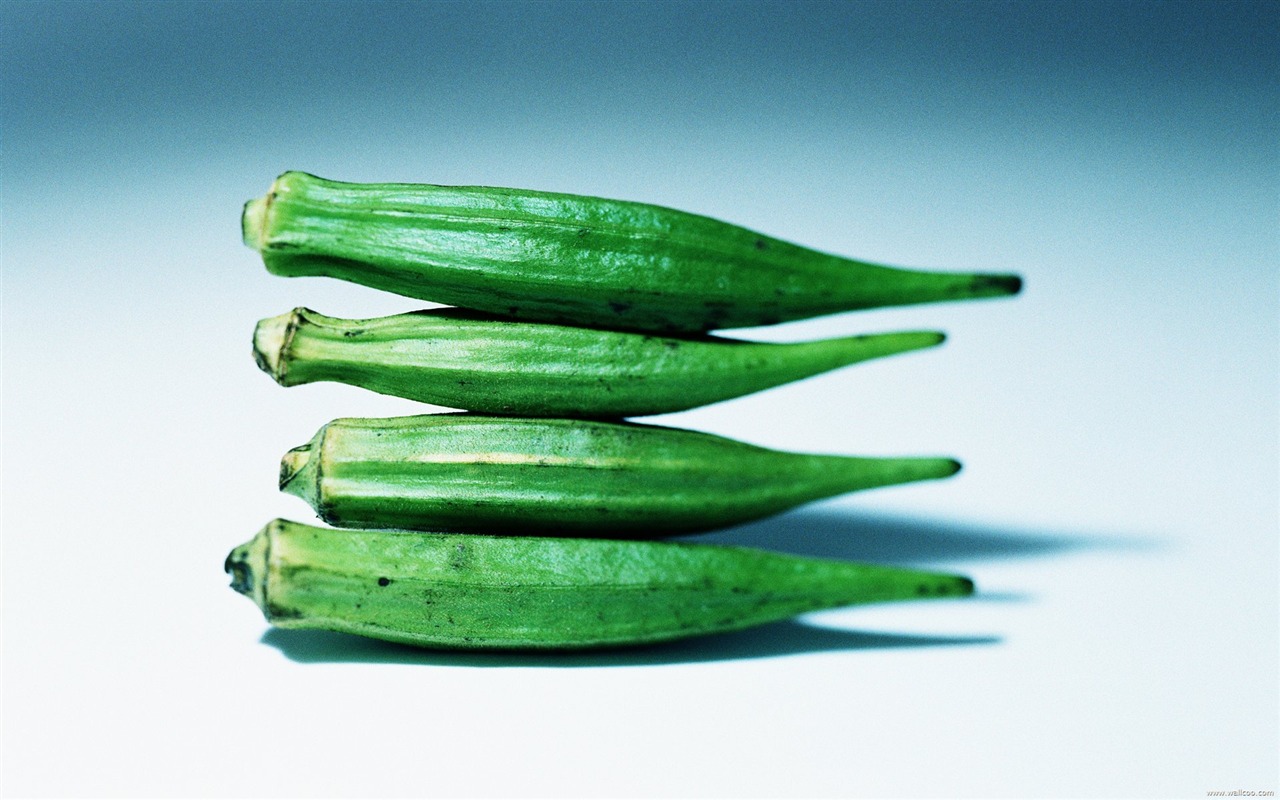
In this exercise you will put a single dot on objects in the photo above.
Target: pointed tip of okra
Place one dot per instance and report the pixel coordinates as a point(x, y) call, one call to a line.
point(932, 287)
point(941, 585)
point(929, 469)
point(1004, 284)
point(871, 473)
point(877, 345)
point(935, 585)
point(924, 468)
point(271, 340)
point(948, 586)
point(993, 284)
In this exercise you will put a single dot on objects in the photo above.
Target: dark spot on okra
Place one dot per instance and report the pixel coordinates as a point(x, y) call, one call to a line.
point(583, 232)
point(619, 307)
point(353, 333)
point(275, 612)
point(384, 581)
point(671, 344)
point(761, 244)
point(459, 557)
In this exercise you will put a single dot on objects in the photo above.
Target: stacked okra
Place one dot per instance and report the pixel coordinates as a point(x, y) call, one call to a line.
point(532, 520)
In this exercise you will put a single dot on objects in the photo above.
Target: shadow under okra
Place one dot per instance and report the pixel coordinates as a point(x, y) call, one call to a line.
point(788, 637)
point(901, 540)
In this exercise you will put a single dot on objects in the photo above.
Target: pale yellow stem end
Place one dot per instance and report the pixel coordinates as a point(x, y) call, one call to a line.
point(271, 338)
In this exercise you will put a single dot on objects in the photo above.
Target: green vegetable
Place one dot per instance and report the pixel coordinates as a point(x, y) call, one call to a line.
point(464, 360)
point(453, 591)
point(571, 259)
point(476, 474)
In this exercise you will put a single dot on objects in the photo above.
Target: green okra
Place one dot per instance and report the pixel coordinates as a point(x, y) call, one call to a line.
point(480, 363)
point(476, 474)
point(456, 591)
point(572, 259)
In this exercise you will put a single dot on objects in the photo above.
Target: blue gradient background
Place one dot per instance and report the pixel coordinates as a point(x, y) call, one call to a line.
point(1118, 422)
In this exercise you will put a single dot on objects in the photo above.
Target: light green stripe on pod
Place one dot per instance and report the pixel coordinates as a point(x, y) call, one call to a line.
point(572, 259)
point(450, 591)
point(478, 363)
point(476, 474)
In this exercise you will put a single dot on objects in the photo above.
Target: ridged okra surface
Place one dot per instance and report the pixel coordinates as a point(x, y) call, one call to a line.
point(469, 473)
point(481, 363)
point(455, 591)
point(572, 259)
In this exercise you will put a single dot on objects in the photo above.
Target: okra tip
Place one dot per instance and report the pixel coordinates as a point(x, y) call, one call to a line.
point(957, 586)
point(997, 284)
point(900, 342)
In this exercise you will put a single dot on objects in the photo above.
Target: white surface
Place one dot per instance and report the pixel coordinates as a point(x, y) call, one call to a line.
point(1118, 510)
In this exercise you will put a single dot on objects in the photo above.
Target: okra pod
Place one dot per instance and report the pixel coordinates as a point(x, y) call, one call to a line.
point(476, 474)
point(456, 591)
point(480, 363)
point(572, 259)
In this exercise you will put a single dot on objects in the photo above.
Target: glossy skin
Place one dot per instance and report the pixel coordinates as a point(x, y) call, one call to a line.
point(477, 474)
point(457, 591)
point(571, 259)
point(480, 363)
